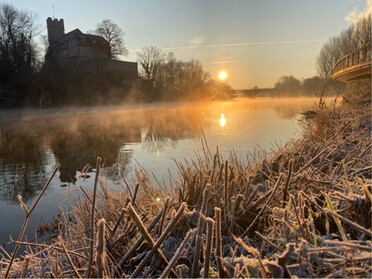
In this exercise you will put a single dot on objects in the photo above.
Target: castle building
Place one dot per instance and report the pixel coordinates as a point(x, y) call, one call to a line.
point(91, 52)
point(74, 46)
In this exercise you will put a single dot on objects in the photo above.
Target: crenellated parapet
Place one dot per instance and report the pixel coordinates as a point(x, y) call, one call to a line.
point(56, 29)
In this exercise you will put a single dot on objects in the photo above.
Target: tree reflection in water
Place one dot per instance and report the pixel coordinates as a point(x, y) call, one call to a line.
point(30, 149)
point(22, 153)
point(162, 128)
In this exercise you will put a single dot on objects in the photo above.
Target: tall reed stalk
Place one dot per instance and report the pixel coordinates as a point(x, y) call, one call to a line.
point(200, 228)
point(92, 220)
point(27, 217)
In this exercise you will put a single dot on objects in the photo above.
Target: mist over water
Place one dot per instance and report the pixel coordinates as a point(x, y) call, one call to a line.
point(149, 136)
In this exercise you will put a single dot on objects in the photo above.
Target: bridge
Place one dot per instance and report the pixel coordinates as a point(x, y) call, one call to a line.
point(253, 93)
point(354, 69)
point(353, 65)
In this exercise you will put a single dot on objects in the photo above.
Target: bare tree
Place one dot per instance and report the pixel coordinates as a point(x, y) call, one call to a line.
point(150, 60)
point(346, 42)
point(114, 36)
point(17, 30)
point(362, 34)
point(328, 56)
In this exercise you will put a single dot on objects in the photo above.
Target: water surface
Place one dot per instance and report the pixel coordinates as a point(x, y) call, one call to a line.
point(32, 142)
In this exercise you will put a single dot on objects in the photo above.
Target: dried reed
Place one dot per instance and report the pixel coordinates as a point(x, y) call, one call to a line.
point(101, 251)
point(92, 220)
point(208, 249)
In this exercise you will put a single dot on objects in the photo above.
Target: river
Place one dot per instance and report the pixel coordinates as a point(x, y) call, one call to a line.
point(32, 142)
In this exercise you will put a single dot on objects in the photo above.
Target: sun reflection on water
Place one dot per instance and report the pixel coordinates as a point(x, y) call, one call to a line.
point(222, 120)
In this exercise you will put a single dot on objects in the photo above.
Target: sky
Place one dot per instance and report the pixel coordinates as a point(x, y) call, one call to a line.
point(254, 41)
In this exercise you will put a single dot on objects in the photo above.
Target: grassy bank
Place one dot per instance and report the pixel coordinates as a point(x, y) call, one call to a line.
point(304, 211)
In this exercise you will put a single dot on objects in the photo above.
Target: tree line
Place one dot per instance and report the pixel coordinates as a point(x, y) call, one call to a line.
point(18, 51)
point(167, 78)
point(358, 35)
point(314, 86)
point(290, 86)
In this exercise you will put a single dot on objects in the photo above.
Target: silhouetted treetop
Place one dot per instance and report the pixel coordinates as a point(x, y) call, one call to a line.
point(17, 50)
point(288, 85)
point(114, 35)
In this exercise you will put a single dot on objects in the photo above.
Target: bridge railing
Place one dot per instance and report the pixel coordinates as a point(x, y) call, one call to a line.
point(356, 57)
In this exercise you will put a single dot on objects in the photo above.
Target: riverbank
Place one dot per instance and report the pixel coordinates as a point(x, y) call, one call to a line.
point(304, 211)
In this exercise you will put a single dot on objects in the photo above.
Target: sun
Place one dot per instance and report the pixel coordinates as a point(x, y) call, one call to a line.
point(222, 75)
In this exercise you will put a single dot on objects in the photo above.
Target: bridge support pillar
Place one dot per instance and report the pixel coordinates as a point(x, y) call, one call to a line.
point(358, 90)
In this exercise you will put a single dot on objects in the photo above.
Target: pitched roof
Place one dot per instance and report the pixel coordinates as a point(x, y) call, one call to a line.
point(69, 35)
point(97, 38)
point(78, 33)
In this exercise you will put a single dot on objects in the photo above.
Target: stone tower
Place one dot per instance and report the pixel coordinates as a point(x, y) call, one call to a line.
point(56, 29)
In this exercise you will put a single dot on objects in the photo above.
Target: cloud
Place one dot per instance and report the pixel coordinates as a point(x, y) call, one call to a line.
point(240, 44)
point(355, 15)
point(258, 43)
point(196, 41)
point(225, 62)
